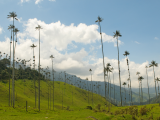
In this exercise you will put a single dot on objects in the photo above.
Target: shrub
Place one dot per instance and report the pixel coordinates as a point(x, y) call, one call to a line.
point(158, 118)
point(150, 117)
point(95, 110)
point(143, 110)
point(89, 107)
point(117, 112)
point(98, 107)
point(67, 108)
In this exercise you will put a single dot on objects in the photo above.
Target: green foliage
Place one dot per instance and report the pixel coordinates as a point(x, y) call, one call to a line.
point(89, 107)
point(143, 110)
point(98, 107)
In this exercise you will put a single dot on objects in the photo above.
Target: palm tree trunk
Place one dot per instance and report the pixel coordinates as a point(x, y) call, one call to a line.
point(34, 78)
point(141, 93)
point(53, 83)
point(119, 71)
point(103, 60)
point(13, 100)
point(10, 67)
point(39, 76)
point(148, 86)
point(130, 84)
point(155, 82)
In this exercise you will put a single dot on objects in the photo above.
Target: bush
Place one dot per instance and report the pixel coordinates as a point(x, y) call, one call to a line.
point(89, 107)
point(98, 107)
point(143, 110)
point(67, 108)
point(117, 112)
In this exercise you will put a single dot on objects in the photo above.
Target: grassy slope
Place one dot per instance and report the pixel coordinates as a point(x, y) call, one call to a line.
point(80, 102)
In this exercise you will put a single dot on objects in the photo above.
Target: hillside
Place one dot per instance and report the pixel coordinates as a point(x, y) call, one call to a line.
point(77, 110)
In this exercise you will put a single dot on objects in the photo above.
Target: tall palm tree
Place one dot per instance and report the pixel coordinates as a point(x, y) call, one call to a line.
point(88, 90)
point(140, 79)
point(33, 46)
point(90, 70)
point(137, 73)
point(126, 53)
point(53, 78)
point(112, 69)
point(147, 83)
point(39, 28)
point(13, 15)
point(157, 79)
point(107, 69)
point(10, 28)
point(154, 64)
point(100, 20)
point(117, 34)
point(124, 83)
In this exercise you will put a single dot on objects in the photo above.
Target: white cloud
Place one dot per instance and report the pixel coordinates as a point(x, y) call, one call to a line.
point(156, 38)
point(136, 42)
point(38, 1)
point(52, 0)
point(57, 37)
point(22, 1)
point(1, 29)
point(76, 64)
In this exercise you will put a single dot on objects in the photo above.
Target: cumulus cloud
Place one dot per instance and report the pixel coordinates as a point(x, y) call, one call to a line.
point(57, 37)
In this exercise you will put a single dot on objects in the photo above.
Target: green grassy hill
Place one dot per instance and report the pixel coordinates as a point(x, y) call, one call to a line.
point(25, 92)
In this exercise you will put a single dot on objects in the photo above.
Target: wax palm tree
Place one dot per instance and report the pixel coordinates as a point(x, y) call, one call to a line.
point(147, 83)
point(128, 88)
point(39, 28)
point(116, 35)
point(157, 79)
point(13, 15)
point(126, 53)
point(33, 46)
point(88, 90)
point(107, 69)
point(140, 79)
point(90, 70)
point(124, 83)
point(154, 64)
point(112, 69)
point(100, 20)
point(137, 73)
point(10, 28)
point(53, 78)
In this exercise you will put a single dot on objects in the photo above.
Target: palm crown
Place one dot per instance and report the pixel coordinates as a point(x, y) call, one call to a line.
point(16, 30)
point(117, 34)
point(12, 15)
point(157, 79)
point(153, 63)
point(10, 27)
point(38, 28)
point(99, 20)
point(126, 53)
point(137, 73)
point(140, 78)
point(124, 83)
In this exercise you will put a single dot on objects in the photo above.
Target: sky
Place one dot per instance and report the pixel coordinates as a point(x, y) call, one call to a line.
point(71, 35)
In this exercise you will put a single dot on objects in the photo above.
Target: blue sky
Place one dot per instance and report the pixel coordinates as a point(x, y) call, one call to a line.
point(138, 22)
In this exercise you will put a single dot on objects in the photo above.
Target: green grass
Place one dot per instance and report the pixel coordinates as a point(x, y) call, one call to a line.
point(77, 111)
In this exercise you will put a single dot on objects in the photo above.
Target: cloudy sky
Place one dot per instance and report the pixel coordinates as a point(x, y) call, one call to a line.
point(71, 35)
